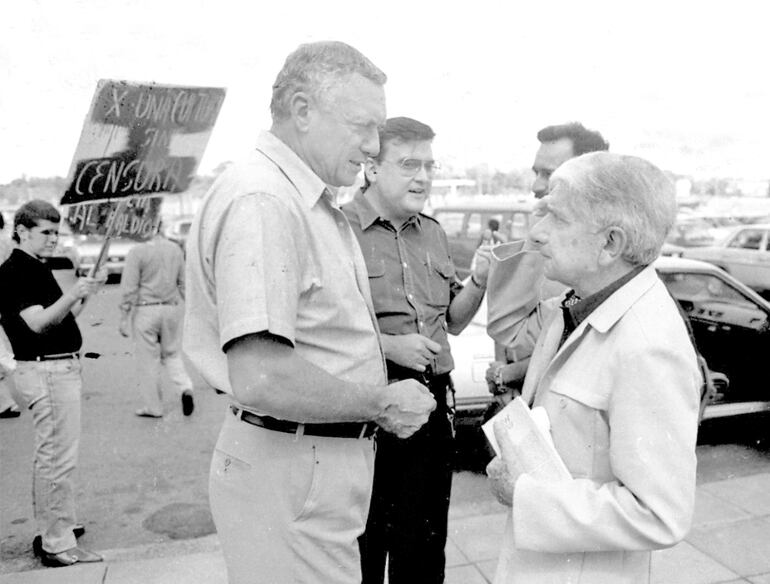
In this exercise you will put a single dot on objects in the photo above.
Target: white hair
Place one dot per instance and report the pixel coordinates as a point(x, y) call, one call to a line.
point(315, 68)
point(628, 192)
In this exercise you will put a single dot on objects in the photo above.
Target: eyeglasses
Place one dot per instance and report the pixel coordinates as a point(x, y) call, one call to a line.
point(411, 166)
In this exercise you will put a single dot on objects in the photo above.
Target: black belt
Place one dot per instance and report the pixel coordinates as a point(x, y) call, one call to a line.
point(170, 303)
point(54, 357)
point(336, 430)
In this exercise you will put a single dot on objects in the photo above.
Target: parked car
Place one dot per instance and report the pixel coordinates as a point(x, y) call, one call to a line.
point(465, 222)
point(729, 320)
point(744, 253)
point(700, 230)
point(90, 248)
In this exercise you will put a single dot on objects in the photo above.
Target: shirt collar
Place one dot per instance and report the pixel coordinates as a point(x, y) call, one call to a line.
point(307, 183)
point(580, 310)
point(368, 215)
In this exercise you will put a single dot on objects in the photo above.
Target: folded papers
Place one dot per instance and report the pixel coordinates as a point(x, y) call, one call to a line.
point(533, 450)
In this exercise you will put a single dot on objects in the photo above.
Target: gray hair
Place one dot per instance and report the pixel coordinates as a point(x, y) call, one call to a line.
point(607, 189)
point(314, 68)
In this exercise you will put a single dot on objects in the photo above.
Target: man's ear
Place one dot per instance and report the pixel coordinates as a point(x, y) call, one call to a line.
point(370, 170)
point(301, 108)
point(615, 241)
point(22, 231)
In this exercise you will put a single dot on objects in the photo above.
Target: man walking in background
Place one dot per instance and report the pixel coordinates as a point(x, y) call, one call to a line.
point(152, 307)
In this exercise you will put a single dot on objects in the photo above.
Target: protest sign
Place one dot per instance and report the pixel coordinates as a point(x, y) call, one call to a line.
point(134, 218)
point(141, 139)
point(138, 140)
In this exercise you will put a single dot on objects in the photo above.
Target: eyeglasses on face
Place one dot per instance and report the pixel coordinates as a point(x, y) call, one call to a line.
point(411, 166)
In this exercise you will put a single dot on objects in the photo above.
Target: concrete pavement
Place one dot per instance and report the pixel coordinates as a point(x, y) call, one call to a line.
point(729, 543)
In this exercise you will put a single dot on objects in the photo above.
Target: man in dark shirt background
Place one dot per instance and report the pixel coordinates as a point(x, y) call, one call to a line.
point(417, 299)
point(40, 323)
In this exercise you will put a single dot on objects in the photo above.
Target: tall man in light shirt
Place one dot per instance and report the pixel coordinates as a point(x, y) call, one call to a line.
point(152, 307)
point(279, 316)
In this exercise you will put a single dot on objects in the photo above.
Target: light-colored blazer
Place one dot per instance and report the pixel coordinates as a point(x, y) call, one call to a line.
point(622, 395)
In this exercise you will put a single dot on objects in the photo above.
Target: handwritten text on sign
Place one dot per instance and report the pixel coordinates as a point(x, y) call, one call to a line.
point(135, 218)
point(141, 139)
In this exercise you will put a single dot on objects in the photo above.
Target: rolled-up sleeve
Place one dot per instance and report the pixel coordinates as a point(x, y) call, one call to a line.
point(258, 269)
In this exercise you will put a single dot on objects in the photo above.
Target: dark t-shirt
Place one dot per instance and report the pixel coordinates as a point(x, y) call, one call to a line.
point(24, 282)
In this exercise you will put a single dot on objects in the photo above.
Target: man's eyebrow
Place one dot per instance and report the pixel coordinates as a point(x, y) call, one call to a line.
point(554, 210)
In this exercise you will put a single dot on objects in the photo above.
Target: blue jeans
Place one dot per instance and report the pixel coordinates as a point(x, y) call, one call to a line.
point(51, 390)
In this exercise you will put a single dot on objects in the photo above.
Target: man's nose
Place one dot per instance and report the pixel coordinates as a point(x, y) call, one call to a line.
point(422, 174)
point(537, 234)
point(540, 187)
point(371, 143)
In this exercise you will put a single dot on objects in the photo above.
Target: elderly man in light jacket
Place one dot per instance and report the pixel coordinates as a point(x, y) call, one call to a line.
point(615, 370)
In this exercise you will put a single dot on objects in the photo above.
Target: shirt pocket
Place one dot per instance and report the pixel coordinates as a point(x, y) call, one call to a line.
point(375, 266)
point(382, 295)
point(440, 276)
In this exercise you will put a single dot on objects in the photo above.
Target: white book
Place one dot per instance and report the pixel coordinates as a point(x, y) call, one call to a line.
point(533, 449)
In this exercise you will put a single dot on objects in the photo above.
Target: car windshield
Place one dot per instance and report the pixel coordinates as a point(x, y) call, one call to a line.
point(699, 287)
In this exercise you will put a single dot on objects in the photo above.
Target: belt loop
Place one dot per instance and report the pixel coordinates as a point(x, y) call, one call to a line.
point(300, 432)
point(364, 428)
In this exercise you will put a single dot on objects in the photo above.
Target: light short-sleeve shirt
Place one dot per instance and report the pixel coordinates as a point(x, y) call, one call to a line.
point(154, 273)
point(270, 251)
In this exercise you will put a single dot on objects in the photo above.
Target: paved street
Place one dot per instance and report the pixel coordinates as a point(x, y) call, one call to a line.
point(142, 483)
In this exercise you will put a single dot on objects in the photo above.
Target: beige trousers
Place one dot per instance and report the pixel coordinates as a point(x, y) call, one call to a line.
point(157, 342)
point(289, 508)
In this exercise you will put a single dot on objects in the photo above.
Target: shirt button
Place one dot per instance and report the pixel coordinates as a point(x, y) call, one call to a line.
point(405, 266)
point(562, 403)
point(409, 296)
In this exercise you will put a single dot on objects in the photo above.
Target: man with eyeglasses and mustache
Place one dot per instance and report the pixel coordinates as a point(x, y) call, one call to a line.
point(418, 299)
point(39, 320)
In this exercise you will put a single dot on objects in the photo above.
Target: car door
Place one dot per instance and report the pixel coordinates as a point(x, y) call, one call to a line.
point(747, 258)
point(731, 331)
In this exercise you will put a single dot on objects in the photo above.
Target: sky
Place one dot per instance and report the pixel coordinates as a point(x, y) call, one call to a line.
point(682, 83)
